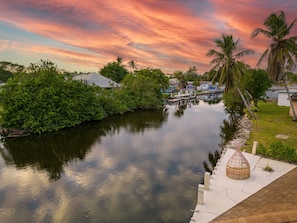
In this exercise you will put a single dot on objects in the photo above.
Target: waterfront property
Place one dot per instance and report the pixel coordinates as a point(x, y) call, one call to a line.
point(225, 193)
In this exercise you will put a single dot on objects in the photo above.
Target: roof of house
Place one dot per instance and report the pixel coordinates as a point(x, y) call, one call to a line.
point(173, 81)
point(276, 202)
point(97, 79)
point(294, 97)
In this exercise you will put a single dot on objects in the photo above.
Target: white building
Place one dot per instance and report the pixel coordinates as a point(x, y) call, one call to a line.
point(282, 99)
point(97, 79)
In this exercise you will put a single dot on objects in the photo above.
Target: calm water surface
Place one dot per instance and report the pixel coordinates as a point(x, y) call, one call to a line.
point(139, 167)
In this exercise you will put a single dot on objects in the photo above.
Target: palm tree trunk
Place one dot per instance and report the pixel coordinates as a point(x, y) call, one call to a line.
point(246, 103)
point(290, 100)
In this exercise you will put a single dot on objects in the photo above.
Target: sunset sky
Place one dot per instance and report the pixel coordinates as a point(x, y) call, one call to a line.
point(167, 34)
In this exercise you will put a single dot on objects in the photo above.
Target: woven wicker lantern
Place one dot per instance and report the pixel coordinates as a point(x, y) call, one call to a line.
point(238, 167)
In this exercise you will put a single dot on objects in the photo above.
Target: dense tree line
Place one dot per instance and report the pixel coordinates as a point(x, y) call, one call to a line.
point(44, 99)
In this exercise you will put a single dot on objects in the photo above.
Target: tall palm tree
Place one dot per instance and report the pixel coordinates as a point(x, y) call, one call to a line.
point(119, 60)
point(282, 52)
point(227, 66)
point(132, 65)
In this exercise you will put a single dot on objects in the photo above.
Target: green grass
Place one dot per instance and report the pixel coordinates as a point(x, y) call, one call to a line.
point(272, 120)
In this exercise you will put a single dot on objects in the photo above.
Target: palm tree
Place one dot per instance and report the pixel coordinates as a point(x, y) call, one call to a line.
point(282, 52)
point(133, 65)
point(119, 60)
point(225, 62)
point(227, 66)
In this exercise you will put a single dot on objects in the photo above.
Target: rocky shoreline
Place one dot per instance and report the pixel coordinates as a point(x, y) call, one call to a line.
point(242, 134)
point(13, 133)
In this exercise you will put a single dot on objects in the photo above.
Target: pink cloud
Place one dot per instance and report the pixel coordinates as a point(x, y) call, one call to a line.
point(4, 44)
point(162, 34)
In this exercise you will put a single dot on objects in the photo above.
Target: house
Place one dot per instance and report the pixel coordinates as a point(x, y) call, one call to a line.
point(282, 99)
point(204, 85)
point(98, 80)
point(190, 85)
point(294, 101)
point(279, 94)
point(173, 85)
point(209, 86)
point(273, 92)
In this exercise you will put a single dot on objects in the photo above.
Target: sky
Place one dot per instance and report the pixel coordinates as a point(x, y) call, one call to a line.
point(169, 35)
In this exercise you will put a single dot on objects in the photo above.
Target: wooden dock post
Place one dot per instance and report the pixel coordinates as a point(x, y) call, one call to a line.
point(254, 149)
point(206, 180)
point(200, 199)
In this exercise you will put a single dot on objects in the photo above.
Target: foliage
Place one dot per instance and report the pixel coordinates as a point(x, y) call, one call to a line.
point(282, 52)
point(256, 82)
point(233, 102)
point(283, 49)
point(114, 71)
point(155, 74)
point(212, 76)
point(292, 78)
point(111, 101)
point(181, 77)
point(226, 65)
point(45, 100)
point(119, 60)
point(4, 75)
point(140, 91)
point(8, 69)
point(192, 75)
point(133, 65)
point(268, 168)
point(279, 151)
point(205, 77)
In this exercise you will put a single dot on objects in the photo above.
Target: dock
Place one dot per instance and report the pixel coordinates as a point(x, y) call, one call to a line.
point(224, 197)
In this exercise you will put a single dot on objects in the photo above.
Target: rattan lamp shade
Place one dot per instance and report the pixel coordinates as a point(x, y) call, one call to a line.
point(238, 167)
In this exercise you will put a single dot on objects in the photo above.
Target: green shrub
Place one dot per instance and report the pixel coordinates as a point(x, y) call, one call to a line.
point(279, 151)
point(45, 100)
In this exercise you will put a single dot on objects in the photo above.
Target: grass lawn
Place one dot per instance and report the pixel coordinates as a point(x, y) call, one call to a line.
point(271, 121)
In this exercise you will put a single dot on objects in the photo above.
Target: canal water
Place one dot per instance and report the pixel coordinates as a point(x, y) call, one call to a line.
point(139, 167)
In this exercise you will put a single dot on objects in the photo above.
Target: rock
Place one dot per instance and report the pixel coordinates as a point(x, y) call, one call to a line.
point(242, 134)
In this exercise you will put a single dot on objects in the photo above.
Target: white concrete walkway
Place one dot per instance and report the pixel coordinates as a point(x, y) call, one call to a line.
point(224, 193)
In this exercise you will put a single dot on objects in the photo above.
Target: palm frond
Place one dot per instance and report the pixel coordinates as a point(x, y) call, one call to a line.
point(243, 53)
point(258, 31)
point(262, 57)
point(292, 24)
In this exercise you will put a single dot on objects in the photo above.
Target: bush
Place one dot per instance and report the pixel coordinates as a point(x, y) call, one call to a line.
point(45, 100)
point(279, 151)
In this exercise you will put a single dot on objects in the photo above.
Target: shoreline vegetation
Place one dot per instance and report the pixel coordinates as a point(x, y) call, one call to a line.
point(45, 99)
point(275, 133)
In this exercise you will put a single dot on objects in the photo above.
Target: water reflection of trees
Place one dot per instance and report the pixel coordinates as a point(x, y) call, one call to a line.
point(228, 128)
point(136, 122)
point(182, 105)
point(179, 112)
point(49, 152)
point(227, 131)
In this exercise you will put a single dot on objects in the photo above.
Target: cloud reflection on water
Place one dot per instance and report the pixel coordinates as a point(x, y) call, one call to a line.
point(127, 169)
